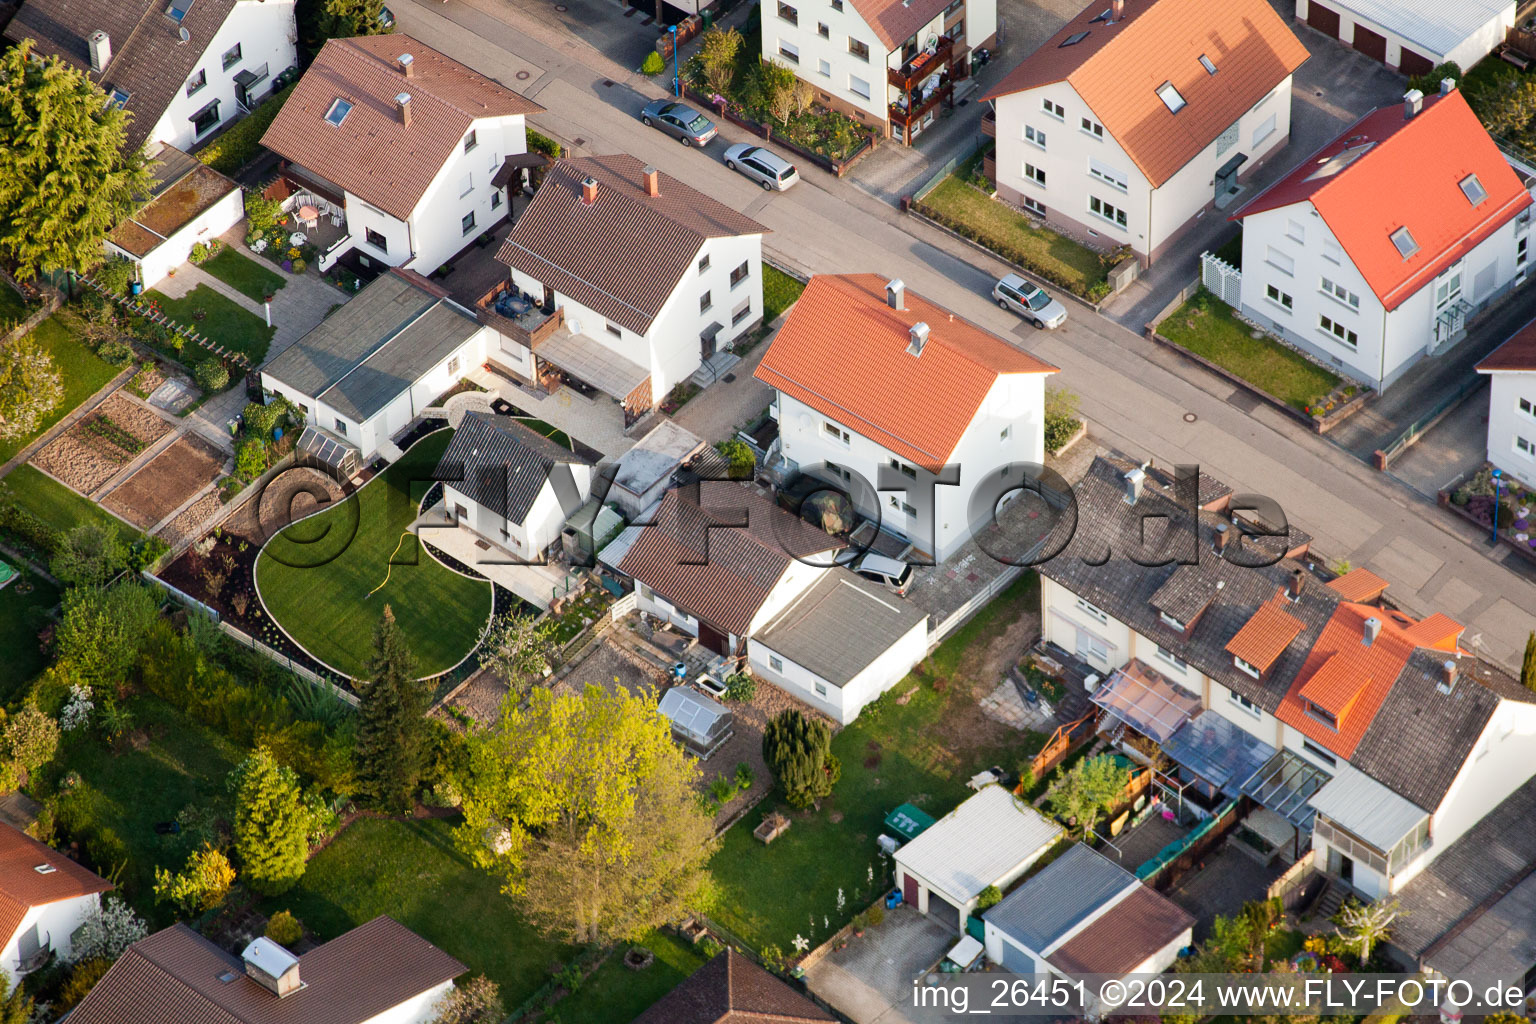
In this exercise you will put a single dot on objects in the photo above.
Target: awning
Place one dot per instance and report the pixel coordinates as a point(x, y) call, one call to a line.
point(908, 822)
point(1285, 785)
point(1218, 751)
point(592, 362)
point(1355, 801)
point(1231, 166)
point(325, 447)
point(514, 163)
point(1142, 698)
point(206, 108)
point(248, 77)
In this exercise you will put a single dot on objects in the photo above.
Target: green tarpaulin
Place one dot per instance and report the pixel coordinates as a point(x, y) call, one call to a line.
point(8, 575)
point(907, 822)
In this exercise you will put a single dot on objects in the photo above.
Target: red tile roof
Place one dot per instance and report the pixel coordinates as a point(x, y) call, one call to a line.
point(1359, 585)
point(896, 21)
point(1122, 938)
point(1439, 631)
point(731, 989)
point(371, 153)
point(1118, 67)
point(1517, 353)
point(22, 887)
point(843, 352)
point(1266, 634)
point(623, 255)
point(1404, 172)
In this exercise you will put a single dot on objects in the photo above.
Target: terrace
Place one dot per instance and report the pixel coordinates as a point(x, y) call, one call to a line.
point(922, 65)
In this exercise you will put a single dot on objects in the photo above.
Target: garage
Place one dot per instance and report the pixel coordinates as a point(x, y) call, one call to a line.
point(1324, 20)
point(1371, 44)
point(943, 911)
point(1413, 64)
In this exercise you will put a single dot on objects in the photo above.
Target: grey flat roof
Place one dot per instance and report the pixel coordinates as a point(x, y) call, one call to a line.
point(655, 457)
point(1367, 808)
point(1066, 893)
point(840, 625)
point(375, 347)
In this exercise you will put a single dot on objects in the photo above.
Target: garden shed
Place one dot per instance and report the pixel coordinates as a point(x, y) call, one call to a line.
point(699, 723)
point(327, 452)
point(190, 203)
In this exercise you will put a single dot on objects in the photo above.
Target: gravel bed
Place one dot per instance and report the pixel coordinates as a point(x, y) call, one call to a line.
point(84, 460)
point(189, 524)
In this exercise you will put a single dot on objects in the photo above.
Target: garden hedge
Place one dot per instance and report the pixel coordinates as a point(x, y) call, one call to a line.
point(1013, 255)
point(241, 142)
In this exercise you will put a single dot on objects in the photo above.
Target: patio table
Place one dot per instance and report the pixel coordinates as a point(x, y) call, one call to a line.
point(308, 215)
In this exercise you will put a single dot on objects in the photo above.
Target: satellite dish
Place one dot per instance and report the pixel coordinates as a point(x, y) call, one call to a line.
point(185, 35)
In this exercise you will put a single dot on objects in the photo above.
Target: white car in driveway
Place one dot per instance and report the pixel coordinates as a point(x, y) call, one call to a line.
point(763, 166)
point(1030, 301)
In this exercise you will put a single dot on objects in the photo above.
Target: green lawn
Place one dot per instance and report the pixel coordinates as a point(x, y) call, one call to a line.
point(126, 789)
point(770, 894)
point(227, 323)
point(412, 872)
point(252, 279)
point(18, 636)
point(616, 993)
point(12, 305)
point(56, 504)
point(1010, 234)
point(327, 579)
point(543, 429)
point(779, 292)
point(80, 371)
point(1207, 327)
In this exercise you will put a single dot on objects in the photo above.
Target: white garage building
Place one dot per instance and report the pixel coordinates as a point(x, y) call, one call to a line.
point(1413, 35)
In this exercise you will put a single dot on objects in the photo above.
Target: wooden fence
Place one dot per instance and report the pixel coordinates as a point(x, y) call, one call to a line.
point(1063, 741)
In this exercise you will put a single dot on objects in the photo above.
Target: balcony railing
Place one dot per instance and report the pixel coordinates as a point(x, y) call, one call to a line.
point(922, 65)
point(989, 124)
point(907, 118)
point(516, 318)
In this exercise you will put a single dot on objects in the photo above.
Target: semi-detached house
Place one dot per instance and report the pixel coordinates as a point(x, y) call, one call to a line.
point(1374, 734)
point(1141, 115)
point(1376, 250)
point(44, 897)
point(1511, 370)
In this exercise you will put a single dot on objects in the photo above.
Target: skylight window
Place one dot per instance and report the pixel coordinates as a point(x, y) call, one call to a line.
point(1403, 239)
point(177, 10)
point(1473, 189)
point(1170, 97)
point(1330, 165)
point(338, 112)
point(1105, 16)
point(1074, 39)
point(1205, 62)
point(118, 98)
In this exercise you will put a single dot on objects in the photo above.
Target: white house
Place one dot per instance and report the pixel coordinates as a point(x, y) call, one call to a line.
point(510, 485)
point(191, 203)
point(1511, 370)
point(879, 389)
point(366, 372)
point(839, 47)
point(635, 279)
point(378, 973)
point(1140, 116)
point(44, 897)
point(405, 144)
point(183, 68)
point(1375, 735)
point(1378, 249)
point(1413, 35)
point(990, 839)
point(1084, 914)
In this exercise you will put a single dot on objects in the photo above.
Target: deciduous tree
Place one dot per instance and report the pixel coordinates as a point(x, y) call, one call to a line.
point(271, 823)
point(798, 750)
point(391, 729)
point(518, 651)
point(588, 813)
point(718, 48)
point(474, 1001)
point(778, 86)
point(1363, 926)
point(67, 173)
point(103, 629)
point(29, 386)
point(1528, 665)
point(90, 555)
point(201, 885)
point(1087, 790)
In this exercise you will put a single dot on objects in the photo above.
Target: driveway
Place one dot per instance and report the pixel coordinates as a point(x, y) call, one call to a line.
point(871, 980)
point(1450, 449)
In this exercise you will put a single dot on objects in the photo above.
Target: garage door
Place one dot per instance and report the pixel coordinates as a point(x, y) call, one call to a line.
point(1324, 20)
point(943, 911)
point(1371, 44)
point(1016, 960)
point(1413, 65)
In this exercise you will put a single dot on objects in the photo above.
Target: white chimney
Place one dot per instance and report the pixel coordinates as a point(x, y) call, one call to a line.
point(1447, 86)
point(1134, 481)
point(407, 64)
point(403, 104)
point(1372, 630)
point(272, 967)
point(896, 294)
point(1413, 102)
point(100, 45)
point(917, 336)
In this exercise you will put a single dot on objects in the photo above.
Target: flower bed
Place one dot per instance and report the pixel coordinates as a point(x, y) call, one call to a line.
point(1475, 499)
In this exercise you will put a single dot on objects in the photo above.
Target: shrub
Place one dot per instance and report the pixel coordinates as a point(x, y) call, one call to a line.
point(653, 64)
point(30, 738)
point(1061, 420)
point(540, 143)
point(89, 555)
point(740, 461)
point(113, 274)
point(115, 351)
point(740, 687)
point(744, 776)
point(202, 885)
point(82, 978)
point(989, 897)
point(1013, 254)
point(474, 1000)
point(211, 375)
point(250, 458)
point(299, 265)
point(202, 252)
point(102, 631)
point(284, 929)
point(261, 419)
point(261, 213)
point(1429, 84)
point(239, 144)
point(108, 931)
point(798, 752)
point(22, 525)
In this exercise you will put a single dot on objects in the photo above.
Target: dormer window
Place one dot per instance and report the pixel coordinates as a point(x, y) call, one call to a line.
point(1171, 621)
point(340, 108)
point(1243, 666)
point(1403, 239)
point(1473, 189)
point(1171, 97)
point(1328, 718)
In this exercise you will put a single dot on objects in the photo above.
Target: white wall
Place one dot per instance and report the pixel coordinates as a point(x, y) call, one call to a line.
point(540, 527)
point(1477, 44)
point(266, 34)
point(1506, 423)
point(841, 25)
point(173, 252)
point(55, 922)
point(418, 1009)
point(1500, 763)
point(653, 603)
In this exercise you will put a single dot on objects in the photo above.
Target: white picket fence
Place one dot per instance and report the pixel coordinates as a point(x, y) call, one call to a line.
point(1222, 280)
point(624, 605)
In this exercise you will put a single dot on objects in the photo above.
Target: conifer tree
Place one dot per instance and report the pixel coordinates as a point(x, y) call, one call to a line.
point(391, 732)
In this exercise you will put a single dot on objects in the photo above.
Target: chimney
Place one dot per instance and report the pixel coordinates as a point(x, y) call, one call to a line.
point(403, 104)
point(1117, 10)
point(588, 190)
point(407, 65)
point(1413, 102)
point(1134, 480)
point(652, 181)
point(1223, 535)
point(896, 294)
point(1372, 630)
point(1447, 86)
point(1447, 677)
point(272, 967)
point(918, 335)
point(1294, 588)
point(100, 45)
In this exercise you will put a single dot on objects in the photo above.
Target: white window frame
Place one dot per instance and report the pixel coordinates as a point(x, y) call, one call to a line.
point(836, 432)
point(1172, 659)
point(1090, 127)
point(1265, 129)
point(1295, 231)
point(1279, 298)
point(1054, 109)
point(1034, 136)
point(1111, 176)
point(1280, 261)
point(820, 687)
point(1237, 698)
point(1338, 293)
point(1035, 175)
point(1034, 206)
point(775, 663)
point(853, 88)
point(1169, 620)
point(1093, 610)
point(1117, 216)
point(1337, 331)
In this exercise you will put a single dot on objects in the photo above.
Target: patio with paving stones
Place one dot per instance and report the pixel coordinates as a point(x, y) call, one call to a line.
point(871, 979)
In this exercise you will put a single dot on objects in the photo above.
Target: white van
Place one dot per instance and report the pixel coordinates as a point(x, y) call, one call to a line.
point(888, 572)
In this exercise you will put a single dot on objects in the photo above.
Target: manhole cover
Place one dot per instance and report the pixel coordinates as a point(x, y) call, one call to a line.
point(522, 76)
point(1190, 417)
point(728, 378)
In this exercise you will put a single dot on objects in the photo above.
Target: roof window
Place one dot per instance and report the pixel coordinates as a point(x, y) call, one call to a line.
point(1473, 189)
point(1170, 97)
point(1104, 16)
point(1073, 39)
point(118, 98)
point(1206, 63)
point(340, 108)
point(178, 9)
point(45, 869)
point(1403, 239)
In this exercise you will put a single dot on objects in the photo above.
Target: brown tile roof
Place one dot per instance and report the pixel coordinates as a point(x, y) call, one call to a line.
point(624, 254)
point(719, 557)
point(1518, 352)
point(174, 977)
point(896, 21)
point(22, 887)
point(1122, 938)
point(148, 60)
point(1358, 585)
point(843, 352)
point(1117, 69)
point(731, 989)
point(172, 210)
point(371, 153)
point(1266, 635)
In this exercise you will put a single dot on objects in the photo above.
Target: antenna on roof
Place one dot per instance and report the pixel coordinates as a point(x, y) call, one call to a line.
point(185, 35)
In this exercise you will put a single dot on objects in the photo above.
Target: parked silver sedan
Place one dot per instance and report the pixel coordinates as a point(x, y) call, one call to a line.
point(680, 121)
point(1029, 301)
point(763, 166)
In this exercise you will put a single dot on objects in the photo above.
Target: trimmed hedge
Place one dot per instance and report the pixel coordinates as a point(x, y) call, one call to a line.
point(1093, 293)
point(241, 142)
point(24, 526)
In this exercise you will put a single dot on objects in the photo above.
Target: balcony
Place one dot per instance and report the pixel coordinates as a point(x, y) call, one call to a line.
point(905, 118)
point(922, 65)
point(989, 124)
point(516, 317)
